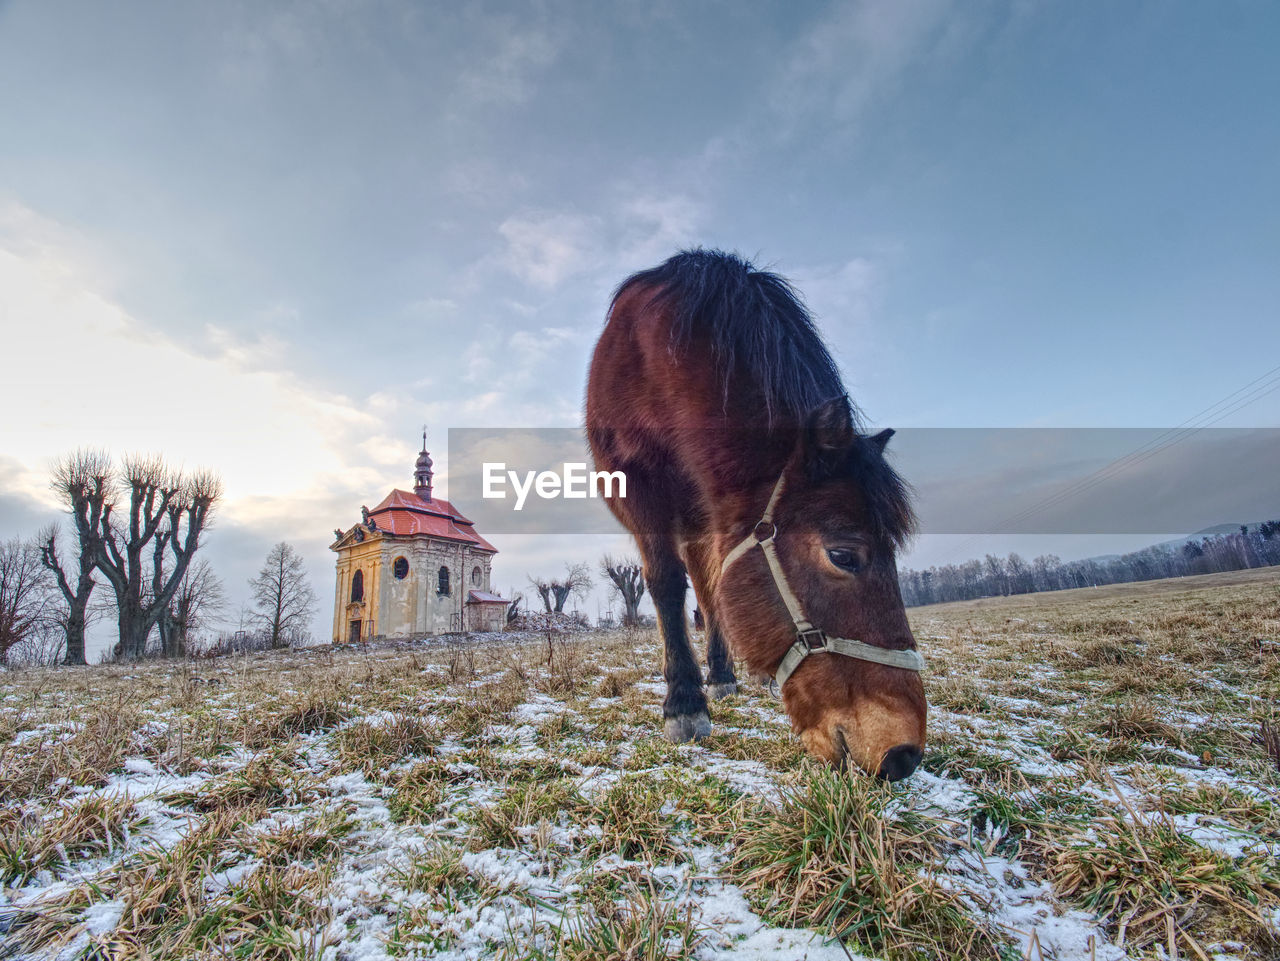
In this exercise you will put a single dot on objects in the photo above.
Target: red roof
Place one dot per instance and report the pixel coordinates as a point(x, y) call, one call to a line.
point(404, 514)
point(484, 597)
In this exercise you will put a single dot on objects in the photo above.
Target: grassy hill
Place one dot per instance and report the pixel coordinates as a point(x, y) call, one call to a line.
point(1096, 786)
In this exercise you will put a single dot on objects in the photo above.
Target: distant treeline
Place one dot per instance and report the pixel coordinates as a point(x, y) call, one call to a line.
point(994, 576)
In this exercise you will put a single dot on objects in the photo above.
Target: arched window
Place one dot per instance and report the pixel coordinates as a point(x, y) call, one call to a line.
point(357, 587)
point(477, 576)
point(400, 568)
point(442, 585)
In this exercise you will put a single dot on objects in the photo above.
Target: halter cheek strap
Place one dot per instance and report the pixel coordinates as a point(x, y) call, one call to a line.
point(809, 639)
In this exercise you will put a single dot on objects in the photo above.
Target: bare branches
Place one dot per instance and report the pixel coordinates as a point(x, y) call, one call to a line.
point(626, 578)
point(24, 594)
point(283, 594)
point(576, 582)
point(86, 484)
point(199, 595)
point(129, 520)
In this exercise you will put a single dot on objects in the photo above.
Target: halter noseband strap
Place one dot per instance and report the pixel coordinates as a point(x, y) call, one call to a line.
point(809, 639)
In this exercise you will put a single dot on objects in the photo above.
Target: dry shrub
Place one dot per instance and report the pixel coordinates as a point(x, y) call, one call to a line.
point(268, 779)
point(309, 714)
point(617, 683)
point(1268, 738)
point(1141, 875)
point(372, 747)
point(91, 827)
point(1139, 720)
point(525, 805)
point(1106, 652)
point(831, 856)
point(632, 822)
point(566, 665)
point(87, 757)
point(641, 925)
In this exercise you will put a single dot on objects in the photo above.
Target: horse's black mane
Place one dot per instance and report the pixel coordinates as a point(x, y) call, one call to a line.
point(757, 323)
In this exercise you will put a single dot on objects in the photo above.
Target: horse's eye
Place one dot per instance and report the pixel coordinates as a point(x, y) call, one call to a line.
point(844, 558)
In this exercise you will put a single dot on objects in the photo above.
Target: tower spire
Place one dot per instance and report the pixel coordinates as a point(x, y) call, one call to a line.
point(422, 470)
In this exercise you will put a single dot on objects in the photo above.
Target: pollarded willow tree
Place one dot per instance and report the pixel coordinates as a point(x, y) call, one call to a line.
point(575, 582)
point(627, 579)
point(283, 594)
point(82, 477)
point(144, 516)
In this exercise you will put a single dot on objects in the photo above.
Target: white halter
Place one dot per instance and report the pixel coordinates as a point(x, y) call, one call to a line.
point(809, 639)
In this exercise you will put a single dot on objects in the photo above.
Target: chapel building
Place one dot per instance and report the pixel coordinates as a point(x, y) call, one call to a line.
point(414, 566)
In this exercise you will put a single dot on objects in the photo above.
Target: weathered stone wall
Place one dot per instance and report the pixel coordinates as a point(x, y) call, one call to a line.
point(399, 607)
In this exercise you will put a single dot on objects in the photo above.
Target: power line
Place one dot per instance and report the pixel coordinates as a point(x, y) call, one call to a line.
point(1252, 392)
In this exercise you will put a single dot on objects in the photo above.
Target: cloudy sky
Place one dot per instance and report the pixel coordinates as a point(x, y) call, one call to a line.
point(277, 238)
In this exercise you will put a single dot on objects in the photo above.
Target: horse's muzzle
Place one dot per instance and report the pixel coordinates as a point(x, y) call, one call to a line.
point(899, 762)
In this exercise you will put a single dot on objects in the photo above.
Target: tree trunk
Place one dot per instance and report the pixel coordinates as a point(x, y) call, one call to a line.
point(77, 600)
point(172, 635)
point(76, 617)
point(631, 609)
point(135, 628)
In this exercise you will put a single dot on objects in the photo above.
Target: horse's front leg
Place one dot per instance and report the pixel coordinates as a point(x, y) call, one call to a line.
point(685, 708)
point(721, 681)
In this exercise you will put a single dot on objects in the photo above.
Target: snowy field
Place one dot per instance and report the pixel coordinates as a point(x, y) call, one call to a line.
point(1098, 785)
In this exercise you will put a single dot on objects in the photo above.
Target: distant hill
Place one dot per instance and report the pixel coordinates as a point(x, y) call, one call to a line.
point(1177, 542)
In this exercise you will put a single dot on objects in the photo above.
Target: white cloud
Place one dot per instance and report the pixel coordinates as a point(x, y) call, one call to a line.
point(546, 248)
point(506, 75)
point(854, 55)
point(84, 372)
point(655, 227)
point(844, 294)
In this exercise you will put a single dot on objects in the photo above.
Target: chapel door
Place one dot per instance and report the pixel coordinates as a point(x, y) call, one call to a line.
point(355, 631)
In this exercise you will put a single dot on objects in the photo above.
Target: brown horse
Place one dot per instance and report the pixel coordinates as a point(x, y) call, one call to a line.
point(747, 472)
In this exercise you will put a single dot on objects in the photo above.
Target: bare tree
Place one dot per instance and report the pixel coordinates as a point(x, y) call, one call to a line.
point(627, 577)
point(543, 587)
point(283, 594)
point(82, 477)
point(165, 511)
point(513, 609)
point(576, 582)
point(24, 595)
point(199, 595)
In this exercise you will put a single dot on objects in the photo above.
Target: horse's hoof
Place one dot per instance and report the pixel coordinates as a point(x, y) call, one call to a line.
point(688, 727)
point(717, 691)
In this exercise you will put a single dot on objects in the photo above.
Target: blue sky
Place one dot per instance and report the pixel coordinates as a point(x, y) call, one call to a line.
point(318, 225)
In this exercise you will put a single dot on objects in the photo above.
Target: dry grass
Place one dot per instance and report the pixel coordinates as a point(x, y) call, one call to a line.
point(88, 828)
point(1145, 878)
point(642, 925)
point(835, 856)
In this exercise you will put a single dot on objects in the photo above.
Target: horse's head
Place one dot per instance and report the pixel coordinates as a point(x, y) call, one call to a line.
point(840, 515)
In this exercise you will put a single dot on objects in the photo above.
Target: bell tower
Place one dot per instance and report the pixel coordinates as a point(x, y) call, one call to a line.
point(422, 471)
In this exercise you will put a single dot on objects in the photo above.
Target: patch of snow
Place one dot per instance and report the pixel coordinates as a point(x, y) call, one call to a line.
point(1218, 836)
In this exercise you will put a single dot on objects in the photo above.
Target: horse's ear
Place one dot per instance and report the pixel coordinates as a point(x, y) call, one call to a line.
point(882, 438)
point(829, 434)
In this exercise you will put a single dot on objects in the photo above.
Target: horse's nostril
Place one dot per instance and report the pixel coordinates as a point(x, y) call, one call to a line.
point(842, 745)
point(899, 762)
